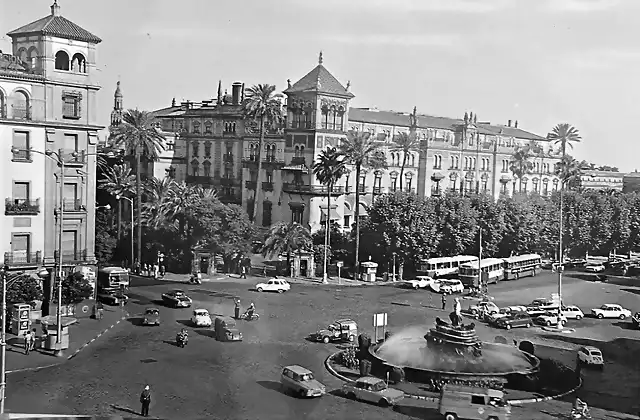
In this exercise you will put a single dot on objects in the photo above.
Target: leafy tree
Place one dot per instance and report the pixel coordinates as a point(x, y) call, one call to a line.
point(522, 226)
point(22, 288)
point(118, 181)
point(139, 136)
point(341, 246)
point(491, 219)
point(456, 223)
point(286, 238)
point(106, 242)
point(520, 164)
point(405, 143)
point(262, 104)
point(75, 289)
point(564, 135)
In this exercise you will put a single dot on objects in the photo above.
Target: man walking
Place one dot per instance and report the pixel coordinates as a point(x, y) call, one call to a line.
point(145, 400)
point(27, 342)
point(237, 308)
point(444, 302)
point(244, 272)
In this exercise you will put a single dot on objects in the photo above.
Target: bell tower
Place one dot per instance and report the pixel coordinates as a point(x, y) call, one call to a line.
point(116, 114)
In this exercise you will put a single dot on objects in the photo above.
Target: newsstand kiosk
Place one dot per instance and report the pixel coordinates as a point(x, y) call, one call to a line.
point(50, 329)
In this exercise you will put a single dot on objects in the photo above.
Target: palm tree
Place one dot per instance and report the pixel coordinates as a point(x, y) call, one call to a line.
point(157, 192)
point(286, 238)
point(180, 200)
point(265, 106)
point(520, 164)
point(329, 168)
point(405, 143)
point(118, 181)
point(139, 137)
point(569, 170)
point(361, 150)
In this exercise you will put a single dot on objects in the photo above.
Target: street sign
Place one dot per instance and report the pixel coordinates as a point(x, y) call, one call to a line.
point(380, 320)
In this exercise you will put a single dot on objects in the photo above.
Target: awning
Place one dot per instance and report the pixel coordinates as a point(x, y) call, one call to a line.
point(364, 204)
point(505, 178)
point(437, 176)
point(296, 168)
point(363, 210)
point(333, 213)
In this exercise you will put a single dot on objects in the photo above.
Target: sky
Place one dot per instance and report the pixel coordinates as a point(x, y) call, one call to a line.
point(541, 62)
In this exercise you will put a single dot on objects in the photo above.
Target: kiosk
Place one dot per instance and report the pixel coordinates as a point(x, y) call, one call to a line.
point(20, 319)
point(50, 330)
point(368, 270)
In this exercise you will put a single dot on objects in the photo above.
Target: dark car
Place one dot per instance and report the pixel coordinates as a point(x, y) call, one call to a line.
point(112, 296)
point(635, 319)
point(520, 319)
point(177, 299)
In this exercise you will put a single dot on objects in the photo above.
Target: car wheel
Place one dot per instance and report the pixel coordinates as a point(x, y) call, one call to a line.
point(383, 403)
point(351, 395)
point(563, 323)
point(578, 317)
point(415, 287)
point(600, 316)
point(474, 312)
point(352, 338)
point(508, 326)
point(450, 416)
point(622, 316)
point(326, 340)
point(527, 325)
point(259, 289)
point(280, 290)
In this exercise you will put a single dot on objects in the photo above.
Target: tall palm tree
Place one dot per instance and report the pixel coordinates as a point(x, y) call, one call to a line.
point(329, 168)
point(118, 181)
point(286, 238)
point(139, 137)
point(569, 170)
point(361, 151)
point(520, 165)
point(262, 104)
point(157, 192)
point(405, 143)
point(180, 200)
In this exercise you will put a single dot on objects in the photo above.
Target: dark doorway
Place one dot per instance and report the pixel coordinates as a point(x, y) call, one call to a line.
point(204, 265)
point(303, 268)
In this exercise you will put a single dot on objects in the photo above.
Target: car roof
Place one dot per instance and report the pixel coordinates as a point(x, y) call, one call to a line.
point(612, 304)
point(152, 309)
point(298, 369)
point(369, 380)
point(345, 321)
point(591, 348)
point(474, 390)
point(201, 310)
point(110, 270)
point(177, 291)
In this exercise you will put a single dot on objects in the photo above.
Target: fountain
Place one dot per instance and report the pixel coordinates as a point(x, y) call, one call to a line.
point(451, 352)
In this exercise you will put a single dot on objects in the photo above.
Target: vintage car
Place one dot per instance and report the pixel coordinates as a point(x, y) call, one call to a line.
point(611, 310)
point(300, 381)
point(572, 312)
point(201, 318)
point(420, 282)
point(373, 390)
point(177, 299)
point(151, 317)
point(591, 356)
point(492, 317)
point(225, 329)
point(447, 287)
point(340, 330)
point(519, 319)
point(484, 307)
point(112, 296)
point(594, 267)
point(274, 285)
point(550, 319)
point(635, 319)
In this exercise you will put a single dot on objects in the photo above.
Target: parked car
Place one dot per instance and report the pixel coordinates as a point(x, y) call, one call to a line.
point(451, 286)
point(572, 312)
point(340, 331)
point(419, 282)
point(373, 390)
point(519, 319)
point(201, 318)
point(485, 307)
point(550, 319)
point(541, 302)
point(112, 296)
point(635, 319)
point(465, 402)
point(300, 381)
point(151, 317)
point(274, 285)
point(177, 299)
point(594, 267)
point(591, 356)
point(611, 310)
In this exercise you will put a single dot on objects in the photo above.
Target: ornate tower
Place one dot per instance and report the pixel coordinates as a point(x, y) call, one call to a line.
point(116, 114)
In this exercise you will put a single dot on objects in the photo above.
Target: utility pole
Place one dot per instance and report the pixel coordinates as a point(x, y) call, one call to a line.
point(3, 378)
point(58, 350)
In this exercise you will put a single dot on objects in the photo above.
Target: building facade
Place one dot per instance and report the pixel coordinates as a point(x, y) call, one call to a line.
point(48, 106)
point(591, 179)
point(460, 154)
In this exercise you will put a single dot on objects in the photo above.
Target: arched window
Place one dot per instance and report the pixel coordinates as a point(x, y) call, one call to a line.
point(78, 63)
point(393, 176)
point(22, 54)
point(453, 162)
point(19, 106)
point(408, 180)
point(62, 61)
point(413, 160)
point(3, 108)
point(32, 57)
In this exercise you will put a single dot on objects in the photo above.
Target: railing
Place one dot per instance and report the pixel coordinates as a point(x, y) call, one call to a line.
point(227, 158)
point(303, 124)
point(19, 112)
point(377, 190)
point(14, 206)
point(310, 189)
point(199, 179)
point(22, 155)
point(435, 192)
point(23, 258)
point(298, 160)
point(228, 182)
point(71, 256)
point(351, 189)
point(250, 185)
point(73, 205)
point(267, 186)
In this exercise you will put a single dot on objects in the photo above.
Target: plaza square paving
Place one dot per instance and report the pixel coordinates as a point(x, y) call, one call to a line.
point(211, 379)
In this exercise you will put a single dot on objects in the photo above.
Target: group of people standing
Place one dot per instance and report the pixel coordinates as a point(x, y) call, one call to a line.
point(149, 270)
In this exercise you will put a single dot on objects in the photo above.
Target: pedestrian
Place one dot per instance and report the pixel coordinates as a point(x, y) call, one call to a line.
point(444, 302)
point(145, 400)
point(27, 342)
point(264, 271)
point(163, 270)
point(155, 271)
point(237, 308)
point(243, 272)
point(33, 339)
point(100, 308)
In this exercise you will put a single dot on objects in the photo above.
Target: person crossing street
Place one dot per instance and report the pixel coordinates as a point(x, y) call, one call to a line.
point(145, 400)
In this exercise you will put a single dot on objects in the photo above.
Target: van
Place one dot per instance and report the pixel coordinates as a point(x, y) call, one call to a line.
point(225, 329)
point(463, 402)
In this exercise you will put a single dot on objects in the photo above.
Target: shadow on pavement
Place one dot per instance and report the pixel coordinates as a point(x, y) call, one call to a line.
point(171, 342)
point(185, 322)
point(624, 325)
point(139, 299)
point(136, 321)
point(136, 281)
point(125, 409)
point(206, 333)
point(416, 412)
point(634, 291)
point(273, 386)
point(16, 342)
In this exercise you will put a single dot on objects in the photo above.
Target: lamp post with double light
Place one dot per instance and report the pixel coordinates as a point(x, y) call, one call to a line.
point(121, 197)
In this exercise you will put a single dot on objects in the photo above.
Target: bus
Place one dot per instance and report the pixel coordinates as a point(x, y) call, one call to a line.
point(492, 268)
point(522, 266)
point(113, 277)
point(445, 266)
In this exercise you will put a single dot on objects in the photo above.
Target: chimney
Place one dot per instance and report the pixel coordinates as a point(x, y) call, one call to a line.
point(516, 123)
point(236, 89)
point(55, 9)
point(242, 94)
point(173, 102)
point(509, 123)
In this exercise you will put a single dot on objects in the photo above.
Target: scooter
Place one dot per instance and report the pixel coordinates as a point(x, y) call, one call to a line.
point(195, 279)
point(245, 316)
point(579, 415)
point(181, 340)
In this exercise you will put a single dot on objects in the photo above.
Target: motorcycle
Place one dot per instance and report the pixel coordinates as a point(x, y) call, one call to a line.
point(195, 279)
point(580, 415)
point(246, 317)
point(181, 340)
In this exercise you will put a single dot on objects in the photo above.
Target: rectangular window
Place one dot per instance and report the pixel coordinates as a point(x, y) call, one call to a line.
point(70, 143)
point(22, 146)
point(71, 201)
point(71, 106)
point(21, 243)
point(296, 215)
point(69, 243)
point(21, 191)
point(269, 176)
point(207, 170)
point(266, 213)
point(347, 221)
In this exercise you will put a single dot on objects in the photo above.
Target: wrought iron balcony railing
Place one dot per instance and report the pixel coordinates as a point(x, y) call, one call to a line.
point(21, 258)
point(267, 186)
point(311, 189)
point(250, 185)
point(71, 256)
point(15, 206)
point(298, 160)
point(73, 205)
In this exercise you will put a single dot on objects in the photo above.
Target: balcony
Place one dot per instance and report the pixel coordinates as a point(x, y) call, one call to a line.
point(268, 162)
point(250, 185)
point(377, 190)
point(435, 192)
point(22, 156)
point(304, 125)
point(298, 160)
point(22, 258)
point(79, 255)
point(200, 180)
point(73, 205)
point(20, 112)
point(310, 189)
point(20, 206)
point(267, 186)
point(227, 158)
point(229, 182)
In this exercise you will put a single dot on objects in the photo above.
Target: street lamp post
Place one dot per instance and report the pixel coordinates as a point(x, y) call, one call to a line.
point(394, 267)
point(3, 343)
point(120, 197)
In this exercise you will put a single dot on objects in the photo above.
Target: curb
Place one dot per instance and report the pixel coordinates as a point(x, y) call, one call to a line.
point(33, 369)
point(327, 364)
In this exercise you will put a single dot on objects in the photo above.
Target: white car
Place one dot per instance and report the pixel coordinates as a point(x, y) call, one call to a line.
point(594, 268)
point(201, 318)
point(572, 312)
point(373, 390)
point(420, 282)
point(611, 310)
point(451, 286)
point(590, 355)
point(550, 319)
point(494, 316)
point(485, 307)
point(274, 285)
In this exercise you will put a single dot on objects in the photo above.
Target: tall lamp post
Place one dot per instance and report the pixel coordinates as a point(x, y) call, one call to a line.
point(3, 343)
point(120, 197)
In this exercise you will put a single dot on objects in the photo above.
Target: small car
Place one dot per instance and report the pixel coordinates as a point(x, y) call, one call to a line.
point(201, 318)
point(341, 330)
point(151, 317)
point(635, 319)
point(177, 299)
point(572, 312)
point(591, 356)
point(611, 310)
point(274, 285)
point(373, 390)
point(519, 319)
point(112, 296)
point(301, 382)
point(550, 319)
point(541, 302)
point(485, 307)
point(419, 282)
point(451, 286)
point(225, 329)
point(494, 316)
point(594, 267)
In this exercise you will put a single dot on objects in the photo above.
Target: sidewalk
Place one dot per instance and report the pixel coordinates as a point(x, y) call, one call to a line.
point(81, 334)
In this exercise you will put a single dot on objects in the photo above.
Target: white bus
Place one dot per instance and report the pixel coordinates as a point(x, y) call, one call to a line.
point(445, 266)
point(492, 268)
point(522, 266)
